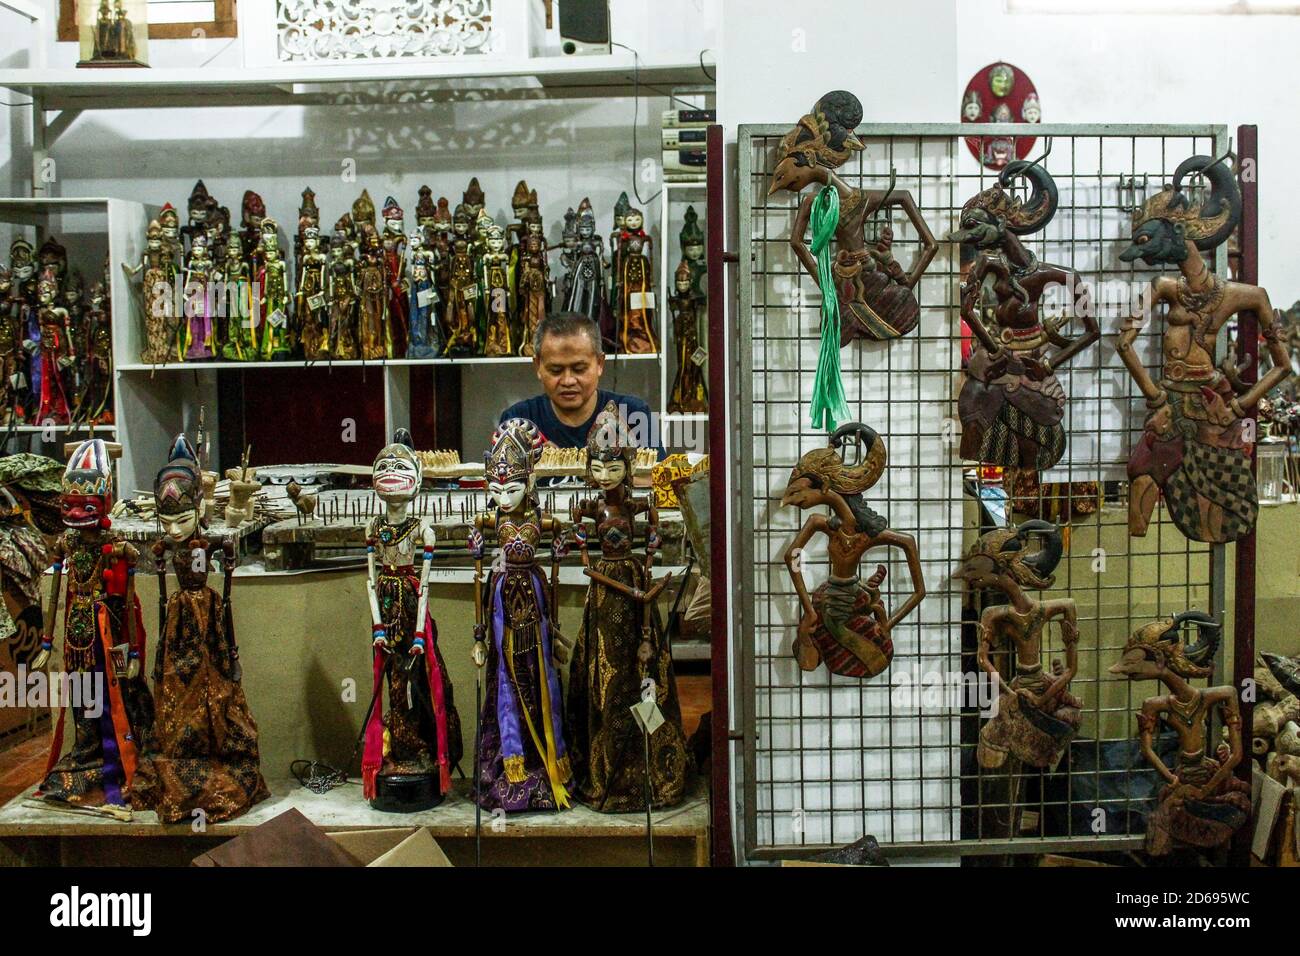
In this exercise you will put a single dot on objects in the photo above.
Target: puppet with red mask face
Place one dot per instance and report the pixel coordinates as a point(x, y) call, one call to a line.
point(103, 645)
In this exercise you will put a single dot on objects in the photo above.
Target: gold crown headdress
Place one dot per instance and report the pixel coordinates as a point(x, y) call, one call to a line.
point(1162, 640)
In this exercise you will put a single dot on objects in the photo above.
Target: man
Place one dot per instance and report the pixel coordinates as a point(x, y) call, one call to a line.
point(569, 360)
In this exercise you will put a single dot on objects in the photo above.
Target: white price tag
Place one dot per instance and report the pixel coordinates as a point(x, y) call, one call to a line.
point(426, 297)
point(278, 319)
point(316, 301)
point(648, 716)
point(641, 300)
point(471, 292)
point(699, 356)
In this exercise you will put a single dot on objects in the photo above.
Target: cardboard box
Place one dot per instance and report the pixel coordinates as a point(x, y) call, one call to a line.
point(290, 839)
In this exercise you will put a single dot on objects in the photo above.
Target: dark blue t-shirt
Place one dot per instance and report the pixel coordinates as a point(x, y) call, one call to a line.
point(538, 410)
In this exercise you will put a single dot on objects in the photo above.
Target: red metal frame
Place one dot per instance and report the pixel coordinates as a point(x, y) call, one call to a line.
point(1243, 625)
point(721, 849)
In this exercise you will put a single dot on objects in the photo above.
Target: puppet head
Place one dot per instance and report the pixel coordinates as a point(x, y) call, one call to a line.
point(178, 493)
point(87, 495)
point(610, 451)
point(990, 214)
point(509, 462)
point(1167, 221)
point(1003, 558)
point(397, 473)
point(824, 137)
point(1158, 646)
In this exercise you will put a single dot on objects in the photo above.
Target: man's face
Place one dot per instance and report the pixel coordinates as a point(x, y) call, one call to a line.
point(569, 369)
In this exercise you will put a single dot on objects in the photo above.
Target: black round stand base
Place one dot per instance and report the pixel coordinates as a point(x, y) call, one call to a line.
point(406, 792)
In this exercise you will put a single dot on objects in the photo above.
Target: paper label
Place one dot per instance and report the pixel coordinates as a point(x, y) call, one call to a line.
point(641, 300)
point(699, 356)
point(277, 319)
point(648, 716)
point(316, 301)
point(426, 297)
point(471, 292)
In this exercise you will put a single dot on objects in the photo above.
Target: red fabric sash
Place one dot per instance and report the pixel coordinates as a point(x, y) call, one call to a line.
point(373, 755)
point(439, 702)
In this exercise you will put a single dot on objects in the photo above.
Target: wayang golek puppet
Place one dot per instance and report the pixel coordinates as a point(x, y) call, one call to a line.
point(103, 643)
point(522, 762)
point(689, 393)
point(1011, 405)
point(310, 300)
point(397, 324)
point(844, 623)
point(532, 280)
point(408, 756)
point(635, 285)
point(1202, 804)
point(1036, 715)
point(496, 293)
point(203, 754)
point(621, 644)
point(1195, 447)
point(866, 293)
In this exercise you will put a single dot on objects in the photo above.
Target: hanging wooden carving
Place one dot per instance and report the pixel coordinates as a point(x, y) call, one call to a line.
point(1011, 405)
point(1196, 446)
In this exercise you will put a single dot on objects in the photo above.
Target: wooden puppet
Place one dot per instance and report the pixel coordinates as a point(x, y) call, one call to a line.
point(343, 297)
point(615, 238)
point(203, 754)
point(1196, 446)
point(1202, 804)
point(636, 309)
point(311, 301)
point(844, 622)
point(425, 340)
point(308, 217)
point(875, 293)
point(372, 306)
point(96, 400)
point(56, 354)
point(397, 318)
point(252, 212)
point(12, 355)
point(1036, 715)
point(409, 753)
point(621, 644)
point(568, 255)
point(689, 393)
point(692, 243)
point(196, 214)
point(496, 298)
point(197, 331)
point(1011, 405)
point(236, 331)
point(522, 761)
point(157, 272)
point(273, 286)
point(460, 317)
point(534, 281)
point(586, 279)
point(103, 645)
point(170, 222)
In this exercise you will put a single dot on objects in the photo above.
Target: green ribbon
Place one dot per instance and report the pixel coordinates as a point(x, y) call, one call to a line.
point(829, 406)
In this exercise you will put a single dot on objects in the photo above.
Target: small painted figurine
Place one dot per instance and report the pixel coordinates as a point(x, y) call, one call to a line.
point(426, 333)
point(202, 761)
point(568, 255)
point(844, 622)
point(96, 396)
point(1036, 715)
point(616, 264)
point(169, 220)
point(522, 761)
point(103, 645)
point(308, 216)
point(397, 320)
point(689, 393)
point(474, 203)
point(252, 211)
point(236, 331)
point(217, 225)
point(621, 645)
point(160, 320)
point(12, 355)
point(1011, 405)
point(56, 354)
point(636, 312)
point(197, 213)
point(273, 283)
point(343, 296)
point(1196, 446)
point(586, 281)
point(519, 205)
point(1202, 804)
point(534, 282)
point(408, 754)
point(372, 313)
point(196, 334)
point(312, 305)
point(496, 299)
point(462, 290)
point(692, 243)
point(875, 293)
point(438, 241)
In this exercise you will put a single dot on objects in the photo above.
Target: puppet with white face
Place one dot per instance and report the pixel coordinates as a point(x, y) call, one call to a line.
point(522, 761)
point(409, 752)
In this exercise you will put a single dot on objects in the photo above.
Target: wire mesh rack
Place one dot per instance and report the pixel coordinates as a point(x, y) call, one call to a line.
point(828, 759)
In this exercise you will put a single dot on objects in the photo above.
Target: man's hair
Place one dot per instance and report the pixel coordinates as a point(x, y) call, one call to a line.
point(567, 323)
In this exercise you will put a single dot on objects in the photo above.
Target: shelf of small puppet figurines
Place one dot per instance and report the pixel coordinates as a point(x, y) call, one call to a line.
point(352, 363)
point(550, 77)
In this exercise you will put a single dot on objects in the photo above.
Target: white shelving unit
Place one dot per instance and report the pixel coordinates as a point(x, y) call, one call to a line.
point(154, 402)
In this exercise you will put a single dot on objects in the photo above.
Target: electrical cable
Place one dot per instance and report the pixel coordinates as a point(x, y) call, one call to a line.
point(636, 118)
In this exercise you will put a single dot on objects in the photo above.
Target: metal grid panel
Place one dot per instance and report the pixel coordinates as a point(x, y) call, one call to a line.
point(829, 759)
